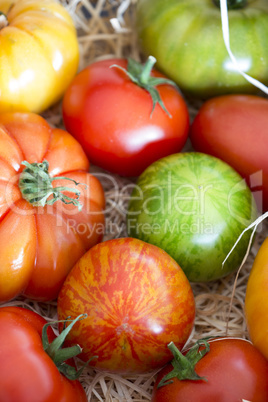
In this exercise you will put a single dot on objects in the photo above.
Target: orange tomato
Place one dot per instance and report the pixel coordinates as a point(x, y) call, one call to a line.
point(256, 301)
point(39, 244)
point(39, 54)
point(137, 299)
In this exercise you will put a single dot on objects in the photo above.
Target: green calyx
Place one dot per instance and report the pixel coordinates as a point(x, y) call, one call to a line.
point(58, 354)
point(232, 4)
point(36, 187)
point(141, 75)
point(184, 365)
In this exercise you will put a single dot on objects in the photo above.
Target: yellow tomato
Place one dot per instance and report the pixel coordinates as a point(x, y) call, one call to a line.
point(256, 301)
point(39, 54)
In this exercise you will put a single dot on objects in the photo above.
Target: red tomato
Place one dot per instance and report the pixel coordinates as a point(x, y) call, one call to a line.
point(112, 119)
point(137, 299)
point(27, 372)
point(39, 243)
point(234, 369)
point(234, 128)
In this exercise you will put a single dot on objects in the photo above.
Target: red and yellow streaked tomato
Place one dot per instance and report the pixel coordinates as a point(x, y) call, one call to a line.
point(137, 299)
point(256, 301)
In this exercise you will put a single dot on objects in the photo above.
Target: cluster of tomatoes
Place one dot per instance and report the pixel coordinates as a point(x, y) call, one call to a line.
point(125, 305)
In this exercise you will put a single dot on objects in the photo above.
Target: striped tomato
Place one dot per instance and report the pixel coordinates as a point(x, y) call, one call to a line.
point(194, 206)
point(178, 33)
point(137, 299)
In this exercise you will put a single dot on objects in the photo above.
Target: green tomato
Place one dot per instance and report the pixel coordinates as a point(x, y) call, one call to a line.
point(193, 206)
point(185, 36)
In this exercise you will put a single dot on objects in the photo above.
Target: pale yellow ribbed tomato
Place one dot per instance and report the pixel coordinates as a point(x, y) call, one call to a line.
point(256, 301)
point(39, 54)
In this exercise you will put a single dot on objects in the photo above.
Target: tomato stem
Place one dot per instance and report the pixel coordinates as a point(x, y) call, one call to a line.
point(36, 187)
point(141, 75)
point(3, 20)
point(184, 365)
point(232, 4)
point(58, 354)
point(147, 69)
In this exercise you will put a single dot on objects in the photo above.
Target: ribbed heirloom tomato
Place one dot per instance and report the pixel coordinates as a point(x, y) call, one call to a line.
point(137, 299)
point(29, 371)
point(39, 54)
point(44, 228)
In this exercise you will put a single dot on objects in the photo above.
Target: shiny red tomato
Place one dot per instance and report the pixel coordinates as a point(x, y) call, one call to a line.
point(234, 128)
point(112, 118)
point(137, 299)
point(27, 372)
point(233, 370)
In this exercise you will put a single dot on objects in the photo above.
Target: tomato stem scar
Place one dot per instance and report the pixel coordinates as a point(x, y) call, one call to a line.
point(36, 187)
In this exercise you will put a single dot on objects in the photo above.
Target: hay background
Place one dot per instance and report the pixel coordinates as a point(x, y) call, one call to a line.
point(105, 30)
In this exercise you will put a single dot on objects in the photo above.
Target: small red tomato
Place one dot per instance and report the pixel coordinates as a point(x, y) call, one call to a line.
point(225, 370)
point(137, 299)
point(31, 365)
point(112, 115)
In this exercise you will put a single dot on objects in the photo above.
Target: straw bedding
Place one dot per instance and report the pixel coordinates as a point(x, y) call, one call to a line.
point(105, 30)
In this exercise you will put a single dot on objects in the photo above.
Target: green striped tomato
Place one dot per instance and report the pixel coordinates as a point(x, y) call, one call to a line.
point(185, 36)
point(137, 299)
point(193, 206)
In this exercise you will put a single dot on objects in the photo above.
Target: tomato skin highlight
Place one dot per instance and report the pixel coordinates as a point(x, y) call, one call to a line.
point(234, 129)
point(235, 370)
point(27, 373)
point(136, 297)
point(256, 300)
point(112, 119)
